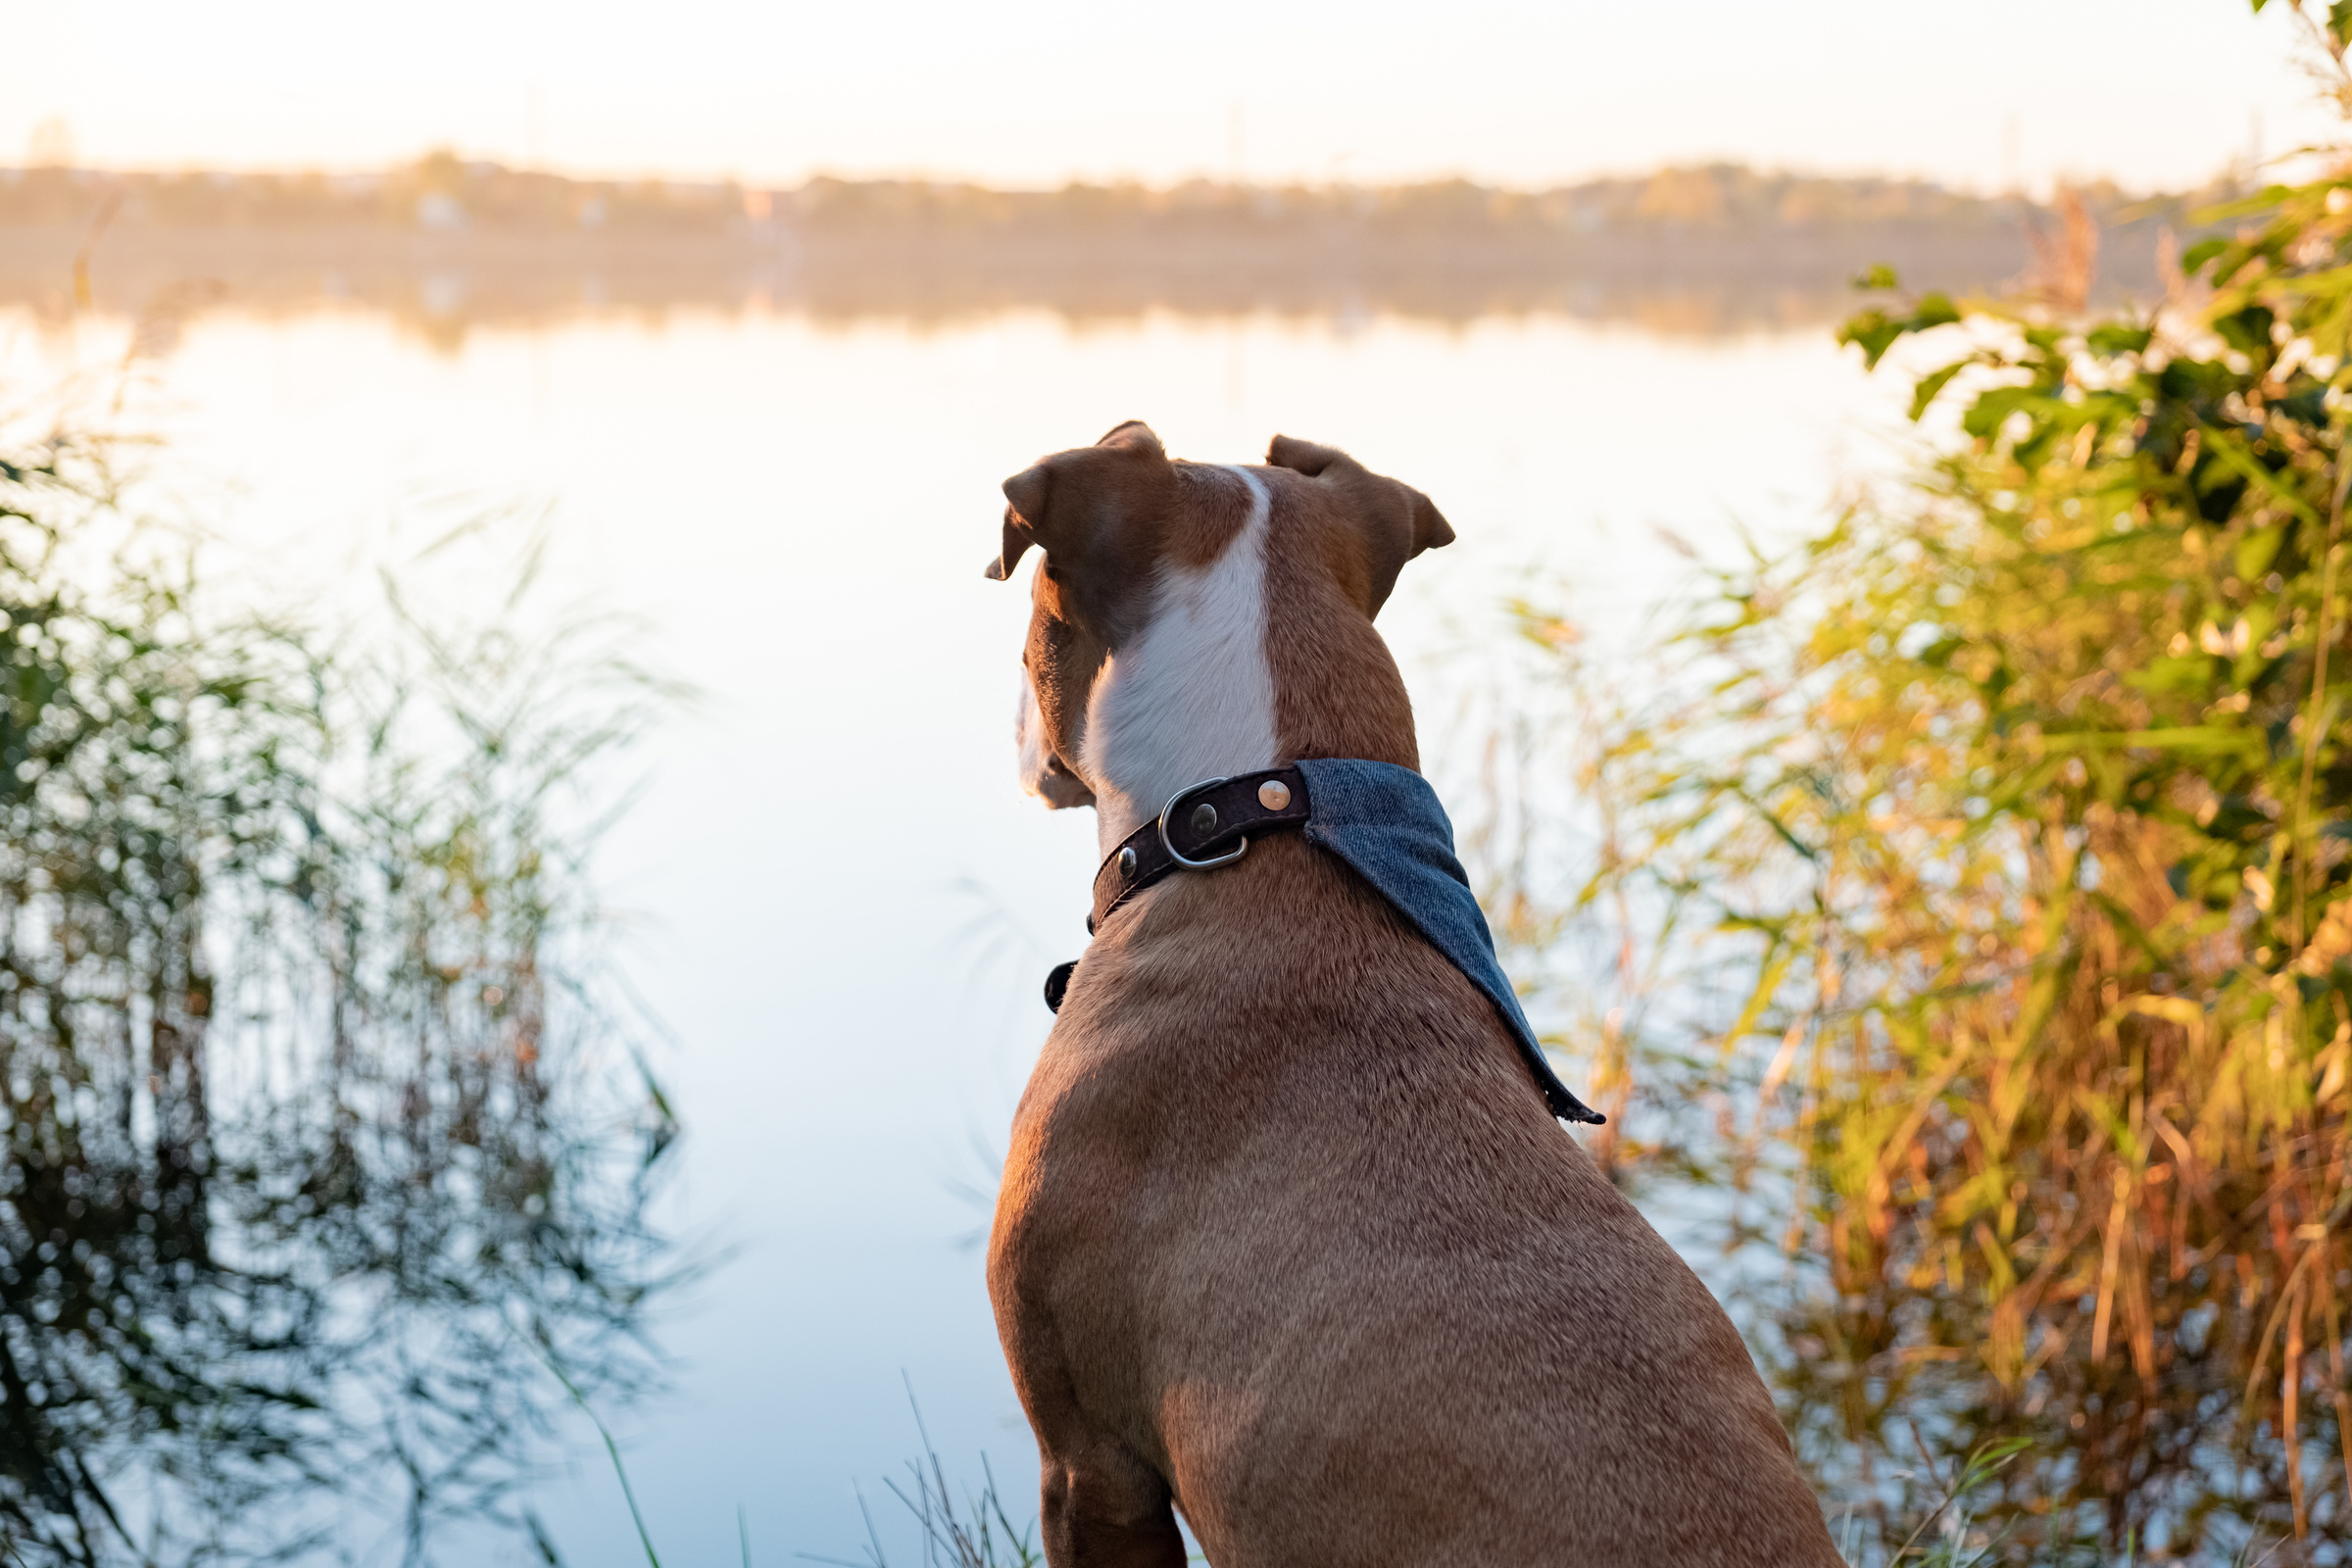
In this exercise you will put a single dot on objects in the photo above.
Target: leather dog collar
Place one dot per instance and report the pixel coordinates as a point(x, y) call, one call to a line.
point(1204, 826)
point(1383, 821)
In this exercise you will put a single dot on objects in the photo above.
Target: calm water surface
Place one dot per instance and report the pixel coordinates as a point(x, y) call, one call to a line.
point(838, 903)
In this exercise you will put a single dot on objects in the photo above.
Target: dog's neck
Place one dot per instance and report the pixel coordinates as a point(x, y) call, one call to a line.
point(1206, 689)
point(1192, 697)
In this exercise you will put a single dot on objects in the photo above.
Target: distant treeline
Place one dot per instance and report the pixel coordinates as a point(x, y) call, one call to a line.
point(490, 242)
point(441, 192)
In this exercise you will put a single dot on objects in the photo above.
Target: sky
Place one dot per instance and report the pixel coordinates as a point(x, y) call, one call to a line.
point(2153, 93)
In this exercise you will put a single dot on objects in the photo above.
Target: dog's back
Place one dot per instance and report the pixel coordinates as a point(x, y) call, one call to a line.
point(1286, 1235)
point(1313, 1251)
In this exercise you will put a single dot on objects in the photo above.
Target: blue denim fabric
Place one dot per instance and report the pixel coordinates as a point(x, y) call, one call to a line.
point(1386, 823)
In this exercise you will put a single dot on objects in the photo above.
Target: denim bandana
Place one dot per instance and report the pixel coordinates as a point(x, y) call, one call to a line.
point(1386, 822)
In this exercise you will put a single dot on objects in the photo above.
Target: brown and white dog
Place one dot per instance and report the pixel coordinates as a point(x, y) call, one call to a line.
point(1287, 1239)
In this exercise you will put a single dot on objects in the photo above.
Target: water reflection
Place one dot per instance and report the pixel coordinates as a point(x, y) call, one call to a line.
point(444, 246)
point(441, 286)
point(323, 1149)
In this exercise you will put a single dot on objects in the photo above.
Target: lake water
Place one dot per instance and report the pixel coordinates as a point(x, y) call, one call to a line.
point(840, 904)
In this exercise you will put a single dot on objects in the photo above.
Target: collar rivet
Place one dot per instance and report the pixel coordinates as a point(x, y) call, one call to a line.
point(1273, 795)
point(1127, 863)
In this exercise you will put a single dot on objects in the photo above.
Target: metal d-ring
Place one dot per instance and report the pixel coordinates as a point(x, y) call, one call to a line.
point(1178, 799)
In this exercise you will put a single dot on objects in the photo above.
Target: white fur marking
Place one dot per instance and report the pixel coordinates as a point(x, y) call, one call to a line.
point(1191, 698)
point(1029, 732)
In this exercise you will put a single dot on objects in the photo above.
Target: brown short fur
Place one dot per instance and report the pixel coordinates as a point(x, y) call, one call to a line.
point(1286, 1239)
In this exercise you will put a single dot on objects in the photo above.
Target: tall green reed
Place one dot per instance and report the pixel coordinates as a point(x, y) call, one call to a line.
point(312, 1080)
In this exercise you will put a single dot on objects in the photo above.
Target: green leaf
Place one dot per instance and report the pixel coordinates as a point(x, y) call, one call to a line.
point(1929, 385)
point(2193, 260)
point(1935, 310)
point(1768, 984)
point(2189, 673)
point(2229, 449)
point(2113, 339)
point(2186, 379)
point(2257, 548)
point(1874, 333)
point(2197, 740)
point(1879, 277)
point(2339, 23)
point(1993, 1455)
point(2249, 330)
point(1986, 416)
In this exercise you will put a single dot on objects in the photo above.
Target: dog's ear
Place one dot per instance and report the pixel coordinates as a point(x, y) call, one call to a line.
point(1018, 534)
point(1397, 521)
point(1134, 435)
point(1031, 493)
point(1027, 490)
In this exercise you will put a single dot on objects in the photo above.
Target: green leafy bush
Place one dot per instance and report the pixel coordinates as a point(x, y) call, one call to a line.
point(2022, 803)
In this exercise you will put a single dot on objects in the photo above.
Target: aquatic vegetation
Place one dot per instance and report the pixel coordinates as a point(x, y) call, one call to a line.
point(322, 1133)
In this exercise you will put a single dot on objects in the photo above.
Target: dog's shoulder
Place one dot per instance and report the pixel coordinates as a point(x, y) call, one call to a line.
point(1282, 987)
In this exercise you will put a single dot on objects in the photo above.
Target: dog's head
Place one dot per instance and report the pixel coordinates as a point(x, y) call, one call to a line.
point(1190, 620)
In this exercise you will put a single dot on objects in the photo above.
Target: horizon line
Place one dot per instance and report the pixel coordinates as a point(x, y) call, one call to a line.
point(2232, 171)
